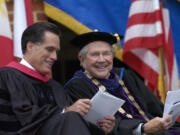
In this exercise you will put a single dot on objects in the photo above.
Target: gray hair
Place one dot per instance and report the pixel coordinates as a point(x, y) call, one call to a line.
point(84, 51)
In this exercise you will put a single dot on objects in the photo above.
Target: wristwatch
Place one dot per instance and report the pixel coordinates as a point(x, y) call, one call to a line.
point(142, 128)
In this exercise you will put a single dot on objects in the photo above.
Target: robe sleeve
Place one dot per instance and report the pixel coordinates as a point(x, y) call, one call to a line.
point(80, 88)
point(151, 103)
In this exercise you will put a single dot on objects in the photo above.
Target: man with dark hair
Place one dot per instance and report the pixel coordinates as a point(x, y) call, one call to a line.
point(141, 113)
point(30, 102)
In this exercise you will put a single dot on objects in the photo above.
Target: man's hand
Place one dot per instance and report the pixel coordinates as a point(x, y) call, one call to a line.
point(158, 124)
point(107, 124)
point(81, 106)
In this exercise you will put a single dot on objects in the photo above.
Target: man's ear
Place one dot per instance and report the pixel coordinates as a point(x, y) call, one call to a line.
point(80, 58)
point(30, 46)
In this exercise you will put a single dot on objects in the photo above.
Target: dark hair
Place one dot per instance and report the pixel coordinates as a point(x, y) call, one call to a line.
point(35, 33)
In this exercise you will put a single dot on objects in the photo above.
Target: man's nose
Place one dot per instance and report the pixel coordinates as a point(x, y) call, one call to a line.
point(54, 55)
point(101, 57)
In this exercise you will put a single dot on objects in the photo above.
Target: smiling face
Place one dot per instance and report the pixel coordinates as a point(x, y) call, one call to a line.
point(43, 55)
point(98, 60)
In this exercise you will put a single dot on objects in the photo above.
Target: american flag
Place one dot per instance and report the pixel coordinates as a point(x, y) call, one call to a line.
point(148, 30)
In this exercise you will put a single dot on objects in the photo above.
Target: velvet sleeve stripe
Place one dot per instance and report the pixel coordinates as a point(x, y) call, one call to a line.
point(5, 117)
point(4, 95)
point(8, 121)
point(4, 102)
point(6, 109)
point(9, 126)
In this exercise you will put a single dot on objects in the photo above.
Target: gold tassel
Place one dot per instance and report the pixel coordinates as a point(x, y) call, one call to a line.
point(117, 48)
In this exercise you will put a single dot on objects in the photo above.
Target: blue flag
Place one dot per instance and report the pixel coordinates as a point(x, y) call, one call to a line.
point(104, 15)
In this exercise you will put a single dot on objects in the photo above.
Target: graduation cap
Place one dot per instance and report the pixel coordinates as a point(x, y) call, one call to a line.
point(86, 38)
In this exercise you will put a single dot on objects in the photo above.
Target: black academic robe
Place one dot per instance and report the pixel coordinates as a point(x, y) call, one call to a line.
point(32, 104)
point(82, 87)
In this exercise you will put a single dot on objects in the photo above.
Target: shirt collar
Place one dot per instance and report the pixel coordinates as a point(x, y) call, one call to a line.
point(25, 63)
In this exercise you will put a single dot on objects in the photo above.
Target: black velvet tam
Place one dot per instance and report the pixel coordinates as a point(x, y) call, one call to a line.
point(86, 38)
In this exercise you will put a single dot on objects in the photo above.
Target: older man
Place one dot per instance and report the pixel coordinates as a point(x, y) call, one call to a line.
point(142, 111)
point(30, 102)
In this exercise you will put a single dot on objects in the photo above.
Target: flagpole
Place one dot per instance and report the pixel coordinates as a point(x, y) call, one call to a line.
point(162, 80)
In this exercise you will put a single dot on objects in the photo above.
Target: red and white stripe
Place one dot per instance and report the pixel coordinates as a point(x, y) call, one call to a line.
point(22, 19)
point(6, 44)
point(170, 59)
point(149, 28)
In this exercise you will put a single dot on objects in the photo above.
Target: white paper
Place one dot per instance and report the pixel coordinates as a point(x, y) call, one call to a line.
point(103, 104)
point(172, 104)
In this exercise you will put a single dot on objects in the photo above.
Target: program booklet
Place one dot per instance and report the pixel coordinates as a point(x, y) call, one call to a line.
point(172, 104)
point(102, 105)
